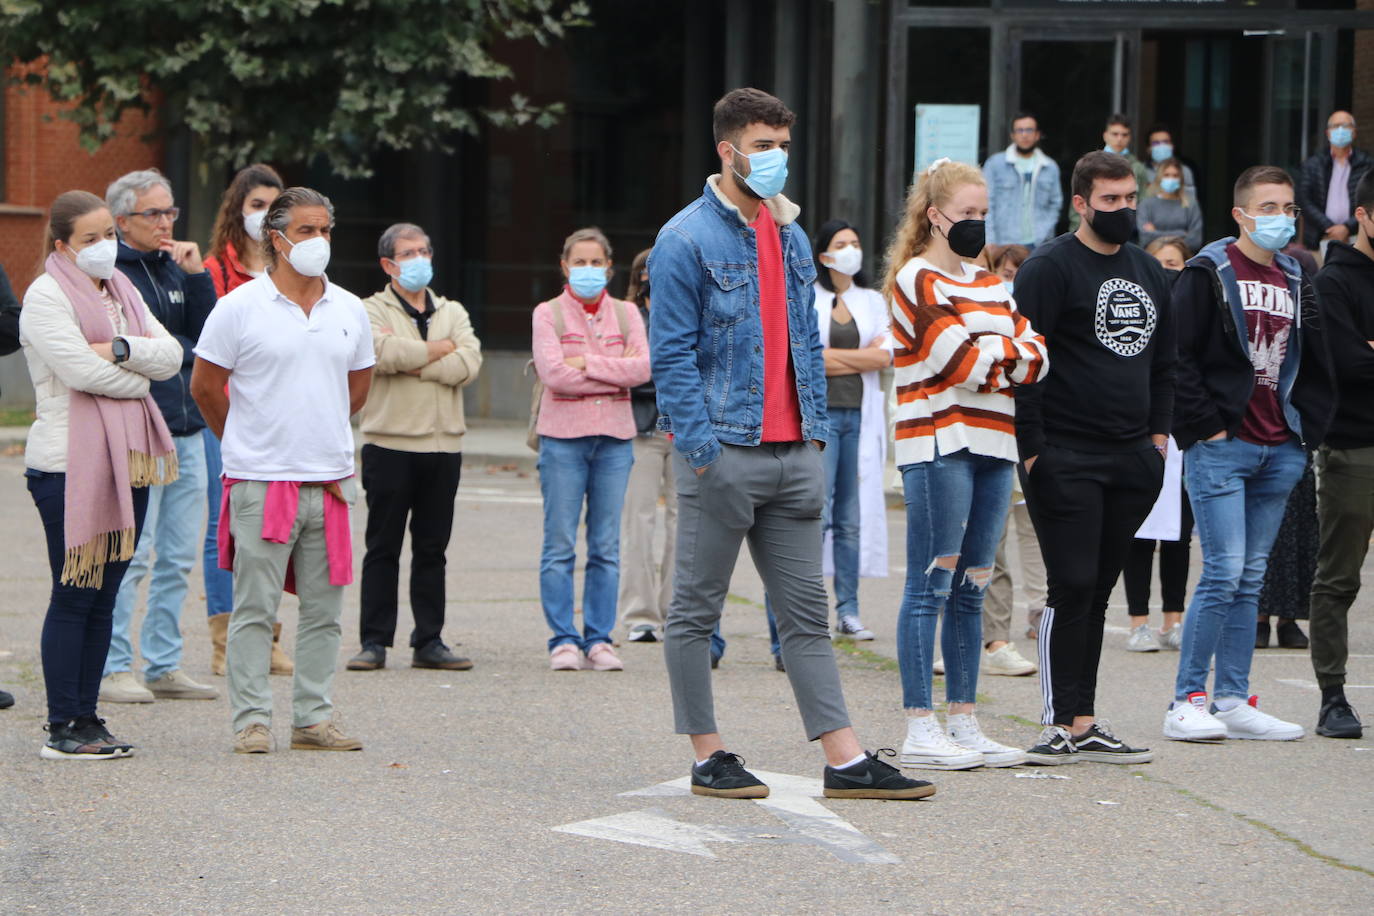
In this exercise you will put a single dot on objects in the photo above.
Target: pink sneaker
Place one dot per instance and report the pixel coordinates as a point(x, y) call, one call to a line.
point(566, 657)
point(601, 657)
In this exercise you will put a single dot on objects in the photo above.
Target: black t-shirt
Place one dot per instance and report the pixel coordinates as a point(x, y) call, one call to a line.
point(1108, 327)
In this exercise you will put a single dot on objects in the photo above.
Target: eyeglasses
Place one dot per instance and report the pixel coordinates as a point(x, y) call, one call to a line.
point(1275, 210)
point(153, 215)
point(1024, 130)
point(413, 253)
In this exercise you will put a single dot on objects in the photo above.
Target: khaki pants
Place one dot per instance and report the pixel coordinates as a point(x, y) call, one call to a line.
point(259, 575)
point(1000, 601)
point(646, 583)
point(1345, 508)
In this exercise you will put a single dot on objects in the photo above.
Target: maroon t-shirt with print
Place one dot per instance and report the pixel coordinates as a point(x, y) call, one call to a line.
point(1269, 310)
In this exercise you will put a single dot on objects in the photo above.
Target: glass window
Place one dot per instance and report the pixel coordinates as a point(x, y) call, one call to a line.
point(933, 56)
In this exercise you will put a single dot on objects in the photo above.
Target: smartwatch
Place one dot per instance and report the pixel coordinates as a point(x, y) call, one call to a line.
point(120, 348)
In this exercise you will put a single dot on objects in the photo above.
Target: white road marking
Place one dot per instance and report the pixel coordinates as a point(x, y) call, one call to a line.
point(792, 799)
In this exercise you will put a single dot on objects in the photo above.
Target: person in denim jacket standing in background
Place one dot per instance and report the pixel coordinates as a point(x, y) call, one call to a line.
point(737, 363)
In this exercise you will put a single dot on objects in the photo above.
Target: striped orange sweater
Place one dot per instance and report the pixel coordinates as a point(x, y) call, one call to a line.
point(961, 346)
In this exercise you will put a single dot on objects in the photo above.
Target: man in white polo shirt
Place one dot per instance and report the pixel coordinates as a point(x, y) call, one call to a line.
point(295, 353)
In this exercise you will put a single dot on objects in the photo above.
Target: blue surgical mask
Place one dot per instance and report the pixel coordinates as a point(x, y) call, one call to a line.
point(767, 171)
point(1159, 152)
point(587, 282)
point(1008, 284)
point(1272, 232)
point(1170, 185)
point(415, 273)
point(1342, 136)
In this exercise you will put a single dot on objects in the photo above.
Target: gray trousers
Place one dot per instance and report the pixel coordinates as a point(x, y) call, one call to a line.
point(772, 496)
point(259, 575)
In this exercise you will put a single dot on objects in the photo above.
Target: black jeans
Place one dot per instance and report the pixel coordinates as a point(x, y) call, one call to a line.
point(1086, 507)
point(76, 630)
point(1173, 568)
point(420, 486)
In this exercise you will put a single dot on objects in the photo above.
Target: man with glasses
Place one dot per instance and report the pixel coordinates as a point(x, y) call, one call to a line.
point(413, 429)
point(1024, 197)
point(178, 290)
point(1326, 188)
point(1254, 391)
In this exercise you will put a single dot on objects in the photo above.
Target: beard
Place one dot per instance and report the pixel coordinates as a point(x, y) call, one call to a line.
point(739, 182)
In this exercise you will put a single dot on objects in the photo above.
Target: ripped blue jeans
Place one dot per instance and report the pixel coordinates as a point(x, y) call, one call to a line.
point(956, 507)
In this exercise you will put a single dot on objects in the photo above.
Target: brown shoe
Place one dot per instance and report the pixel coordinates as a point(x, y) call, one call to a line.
point(281, 662)
point(323, 737)
point(255, 739)
point(219, 635)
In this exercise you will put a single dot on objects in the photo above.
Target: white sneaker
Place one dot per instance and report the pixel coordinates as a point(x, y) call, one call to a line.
point(1190, 721)
point(123, 687)
point(938, 666)
point(1142, 640)
point(1172, 638)
point(1246, 721)
point(850, 625)
point(964, 731)
point(1008, 662)
point(927, 747)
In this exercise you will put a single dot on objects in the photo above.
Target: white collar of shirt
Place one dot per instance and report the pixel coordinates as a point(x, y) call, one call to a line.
point(275, 295)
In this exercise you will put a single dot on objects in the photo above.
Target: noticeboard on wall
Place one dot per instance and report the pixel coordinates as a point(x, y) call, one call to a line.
point(946, 131)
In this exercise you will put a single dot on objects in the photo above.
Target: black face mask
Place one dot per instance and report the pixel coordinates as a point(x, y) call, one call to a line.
point(1115, 227)
point(967, 237)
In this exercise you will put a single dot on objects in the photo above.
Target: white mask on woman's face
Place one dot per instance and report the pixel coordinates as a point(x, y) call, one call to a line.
point(98, 259)
point(847, 260)
point(252, 224)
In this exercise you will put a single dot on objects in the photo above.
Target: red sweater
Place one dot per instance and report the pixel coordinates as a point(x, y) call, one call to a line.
point(781, 411)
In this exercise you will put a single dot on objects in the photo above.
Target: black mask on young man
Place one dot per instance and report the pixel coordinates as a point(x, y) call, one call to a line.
point(1115, 227)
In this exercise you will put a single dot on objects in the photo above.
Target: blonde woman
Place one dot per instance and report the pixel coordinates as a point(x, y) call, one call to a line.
point(1167, 209)
point(961, 346)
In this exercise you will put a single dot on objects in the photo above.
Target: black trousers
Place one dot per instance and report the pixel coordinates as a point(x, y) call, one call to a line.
point(1173, 568)
point(420, 486)
point(1086, 508)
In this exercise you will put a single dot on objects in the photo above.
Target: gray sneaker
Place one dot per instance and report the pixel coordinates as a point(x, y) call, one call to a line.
point(850, 625)
point(1172, 638)
point(1142, 640)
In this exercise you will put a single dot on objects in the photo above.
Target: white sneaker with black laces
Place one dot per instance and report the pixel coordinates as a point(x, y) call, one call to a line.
point(1189, 720)
point(1100, 745)
point(850, 625)
point(1246, 721)
point(1054, 748)
point(927, 747)
point(1142, 640)
point(965, 731)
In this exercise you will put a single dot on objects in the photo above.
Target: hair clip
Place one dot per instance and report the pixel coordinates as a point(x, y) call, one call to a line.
point(943, 160)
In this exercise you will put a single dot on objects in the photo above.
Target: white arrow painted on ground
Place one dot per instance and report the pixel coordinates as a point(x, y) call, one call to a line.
point(792, 799)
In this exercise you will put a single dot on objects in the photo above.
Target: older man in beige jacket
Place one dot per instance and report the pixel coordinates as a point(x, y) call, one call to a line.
point(412, 457)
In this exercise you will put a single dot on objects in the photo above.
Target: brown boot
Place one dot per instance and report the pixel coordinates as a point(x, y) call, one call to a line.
point(281, 662)
point(219, 634)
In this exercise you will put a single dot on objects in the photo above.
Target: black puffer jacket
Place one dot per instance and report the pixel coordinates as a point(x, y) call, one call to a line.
point(1313, 181)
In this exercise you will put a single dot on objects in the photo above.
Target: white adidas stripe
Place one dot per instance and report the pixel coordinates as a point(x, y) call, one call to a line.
point(1046, 675)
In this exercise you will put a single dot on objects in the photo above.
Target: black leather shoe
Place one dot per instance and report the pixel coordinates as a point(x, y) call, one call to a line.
point(1338, 720)
point(777, 663)
point(371, 658)
point(1291, 635)
point(1261, 635)
point(6, 700)
point(437, 655)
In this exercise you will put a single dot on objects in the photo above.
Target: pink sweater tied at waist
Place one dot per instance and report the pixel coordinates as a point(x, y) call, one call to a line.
point(279, 511)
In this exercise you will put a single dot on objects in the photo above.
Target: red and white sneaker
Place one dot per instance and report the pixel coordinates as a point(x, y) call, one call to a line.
point(1190, 721)
point(1246, 721)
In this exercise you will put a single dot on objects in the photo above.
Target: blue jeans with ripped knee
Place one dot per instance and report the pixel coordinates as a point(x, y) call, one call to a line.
point(956, 506)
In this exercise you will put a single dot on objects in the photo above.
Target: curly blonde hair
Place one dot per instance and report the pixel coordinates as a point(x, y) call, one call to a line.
point(935, 186)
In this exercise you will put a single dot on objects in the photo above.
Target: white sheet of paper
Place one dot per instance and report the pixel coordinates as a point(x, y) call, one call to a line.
point(1165, 519)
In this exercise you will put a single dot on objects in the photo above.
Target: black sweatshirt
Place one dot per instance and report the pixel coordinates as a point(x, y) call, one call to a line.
point(1346, 289)
point(1108, 325)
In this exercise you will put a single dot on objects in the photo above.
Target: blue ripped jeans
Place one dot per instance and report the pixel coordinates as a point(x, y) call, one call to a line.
point(956, 505)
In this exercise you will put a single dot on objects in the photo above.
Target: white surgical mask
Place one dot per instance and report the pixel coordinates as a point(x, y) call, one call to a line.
point(310, 257)
point(98, 260)
point(252, 224)
point(847, 260)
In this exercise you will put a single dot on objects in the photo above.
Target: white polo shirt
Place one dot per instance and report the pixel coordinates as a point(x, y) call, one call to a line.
point(288, 382)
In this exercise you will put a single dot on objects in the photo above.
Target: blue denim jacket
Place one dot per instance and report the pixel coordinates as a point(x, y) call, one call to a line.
point(706, 333)
point(1005, 201)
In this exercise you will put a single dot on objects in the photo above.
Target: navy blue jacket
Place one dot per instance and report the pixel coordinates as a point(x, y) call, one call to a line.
point(181, 302)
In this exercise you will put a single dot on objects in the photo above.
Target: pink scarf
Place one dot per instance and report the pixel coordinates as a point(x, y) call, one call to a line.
point(113, 444)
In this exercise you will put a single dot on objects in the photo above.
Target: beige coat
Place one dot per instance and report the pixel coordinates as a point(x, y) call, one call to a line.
point(418, 413)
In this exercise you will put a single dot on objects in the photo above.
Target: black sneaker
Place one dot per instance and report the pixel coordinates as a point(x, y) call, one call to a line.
point(724, 776)
point(371, 658)
point(1054, 748)
point(874, 779)
point(66, 742)
point(1099, 744)
point(1291, 635)
point(642, 633)
point(1262, 635)
point(92, 729)
point(436, 655)
point(777, 663)
point(6, 699)
point(1338, 720)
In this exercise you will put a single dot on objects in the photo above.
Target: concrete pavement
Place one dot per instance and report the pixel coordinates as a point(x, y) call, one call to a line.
point(454, 802)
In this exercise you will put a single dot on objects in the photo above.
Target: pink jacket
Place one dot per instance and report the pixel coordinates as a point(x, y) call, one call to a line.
point(594, 401)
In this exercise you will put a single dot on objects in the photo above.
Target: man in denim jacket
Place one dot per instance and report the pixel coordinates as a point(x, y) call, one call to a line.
point(738, 367)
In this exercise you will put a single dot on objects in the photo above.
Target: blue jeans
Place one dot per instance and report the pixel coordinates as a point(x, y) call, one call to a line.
point(1239, 492)
point(172, 530)
point(76, 630)
point(842, 505)
point(956, 505)
point(774, 642)
point(595, 469)
point(219, 583)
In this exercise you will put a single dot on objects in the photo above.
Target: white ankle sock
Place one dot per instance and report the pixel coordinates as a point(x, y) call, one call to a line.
point(1226, 704)
point(702, 763)
point(853, 763)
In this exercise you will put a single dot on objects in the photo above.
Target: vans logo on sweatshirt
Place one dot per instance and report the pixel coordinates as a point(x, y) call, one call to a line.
point(1125, 318)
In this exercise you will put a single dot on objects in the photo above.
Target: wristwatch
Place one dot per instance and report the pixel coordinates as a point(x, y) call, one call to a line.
point(120, 347)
